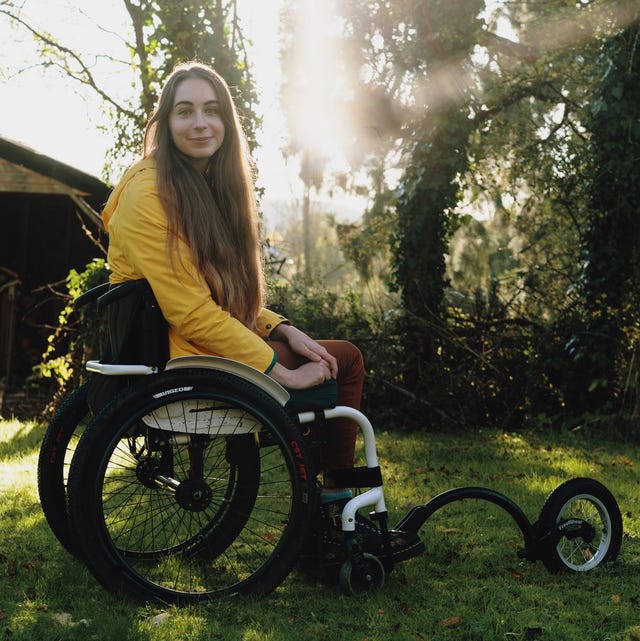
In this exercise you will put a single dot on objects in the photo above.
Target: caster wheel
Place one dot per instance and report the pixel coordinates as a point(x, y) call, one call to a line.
point(583, 521)
point(365, 575)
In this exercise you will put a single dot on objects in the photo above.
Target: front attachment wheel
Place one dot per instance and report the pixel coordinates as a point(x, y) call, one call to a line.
point(580, 526)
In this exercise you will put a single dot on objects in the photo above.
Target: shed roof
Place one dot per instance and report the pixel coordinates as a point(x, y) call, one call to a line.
point(23, 169)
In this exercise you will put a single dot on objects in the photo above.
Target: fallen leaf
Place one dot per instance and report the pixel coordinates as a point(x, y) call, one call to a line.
point(62, 618)
point(450, 622)
point(447, 530)
point(160, 619)
point(65, 619)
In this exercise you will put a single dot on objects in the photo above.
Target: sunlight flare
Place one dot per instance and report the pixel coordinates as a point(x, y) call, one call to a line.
point(319, 112)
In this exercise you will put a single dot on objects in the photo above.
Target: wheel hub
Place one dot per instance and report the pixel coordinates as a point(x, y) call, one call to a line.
point(577, 528)
point(194, 496)
point(147, 470)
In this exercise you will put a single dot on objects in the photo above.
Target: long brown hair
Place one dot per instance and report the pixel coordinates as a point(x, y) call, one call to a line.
point(215, 213)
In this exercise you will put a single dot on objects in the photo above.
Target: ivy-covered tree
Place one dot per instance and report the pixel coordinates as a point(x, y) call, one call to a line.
point(606, 348)
point(415, 52)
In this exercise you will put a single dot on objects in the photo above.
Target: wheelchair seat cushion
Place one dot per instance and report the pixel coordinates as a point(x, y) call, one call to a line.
point(320, 397)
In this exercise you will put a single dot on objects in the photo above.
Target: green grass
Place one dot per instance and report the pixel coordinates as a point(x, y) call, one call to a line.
point(469, 585)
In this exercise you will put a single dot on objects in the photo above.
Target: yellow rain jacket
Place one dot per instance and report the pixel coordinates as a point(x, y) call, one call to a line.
point(138, 228)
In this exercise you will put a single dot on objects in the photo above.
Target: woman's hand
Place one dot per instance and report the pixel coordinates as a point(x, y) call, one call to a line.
point(308, 375)
point(306, 347)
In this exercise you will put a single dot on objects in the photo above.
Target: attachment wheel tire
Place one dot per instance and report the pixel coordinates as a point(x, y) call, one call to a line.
point(580, 526)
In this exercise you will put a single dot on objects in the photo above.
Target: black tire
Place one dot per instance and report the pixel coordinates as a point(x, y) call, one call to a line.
point(58, 445)
point(580, 526)
point(154, 527)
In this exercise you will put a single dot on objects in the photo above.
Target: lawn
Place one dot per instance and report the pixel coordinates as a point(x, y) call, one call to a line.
point(469, 585)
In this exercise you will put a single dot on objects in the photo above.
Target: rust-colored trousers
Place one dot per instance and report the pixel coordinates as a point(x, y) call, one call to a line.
point(341, 432)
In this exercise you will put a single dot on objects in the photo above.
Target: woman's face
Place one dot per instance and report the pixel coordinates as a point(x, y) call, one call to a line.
point(195, 122)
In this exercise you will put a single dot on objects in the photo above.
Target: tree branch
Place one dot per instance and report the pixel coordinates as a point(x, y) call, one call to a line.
point(495, 43)
point(415, 398)
point(84, 75)
point(137, 18)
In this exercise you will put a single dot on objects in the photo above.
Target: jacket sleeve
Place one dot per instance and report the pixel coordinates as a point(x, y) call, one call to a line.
point(268, 321)
point(139, 229)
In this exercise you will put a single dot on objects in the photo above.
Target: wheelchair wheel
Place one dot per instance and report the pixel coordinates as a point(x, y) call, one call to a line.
point(584, 527)
point(191, 488)
point(58, 445)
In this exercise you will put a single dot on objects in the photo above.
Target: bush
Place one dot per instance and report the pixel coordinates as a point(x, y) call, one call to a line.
point(79, 336)
point(486, 369)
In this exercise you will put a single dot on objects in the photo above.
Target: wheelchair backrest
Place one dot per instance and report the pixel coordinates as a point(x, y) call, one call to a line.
point(138, 334)
point(137, 330)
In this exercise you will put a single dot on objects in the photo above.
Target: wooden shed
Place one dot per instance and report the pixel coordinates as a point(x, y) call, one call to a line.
point(49, 223)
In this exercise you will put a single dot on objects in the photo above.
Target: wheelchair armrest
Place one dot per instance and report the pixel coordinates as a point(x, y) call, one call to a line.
point(105, 294)
point(116, 292)
point(115, 369)
point(258, 378)
point(88, 297)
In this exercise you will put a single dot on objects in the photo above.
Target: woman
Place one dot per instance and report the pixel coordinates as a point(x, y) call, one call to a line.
point(184, 218)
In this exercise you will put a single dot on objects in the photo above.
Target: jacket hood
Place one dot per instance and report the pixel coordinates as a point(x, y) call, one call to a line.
point(114, 197)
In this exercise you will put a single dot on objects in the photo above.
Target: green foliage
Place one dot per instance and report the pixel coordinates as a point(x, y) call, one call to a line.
point(541, 136)
point(426, 216)
point(371, 237)
point(80, 334)
point(605, 346)
point(416, 48)
point(486, 370)
point(428, 193)
point(322, 313)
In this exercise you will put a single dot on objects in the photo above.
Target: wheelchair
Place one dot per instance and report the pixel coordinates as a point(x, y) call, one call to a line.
point(197, 480)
